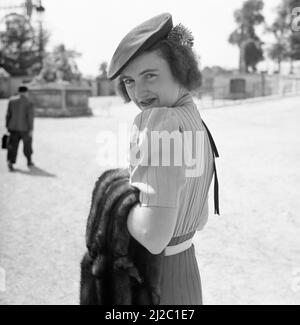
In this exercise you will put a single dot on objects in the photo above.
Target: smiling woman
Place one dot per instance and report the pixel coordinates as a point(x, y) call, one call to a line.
point(176, 60)
point(153, 86)
point(157, 69)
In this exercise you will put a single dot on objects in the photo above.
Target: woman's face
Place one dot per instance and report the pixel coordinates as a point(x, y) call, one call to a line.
point(149, 82)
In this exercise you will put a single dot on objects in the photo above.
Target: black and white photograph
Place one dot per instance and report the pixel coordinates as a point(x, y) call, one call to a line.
point(150, 154)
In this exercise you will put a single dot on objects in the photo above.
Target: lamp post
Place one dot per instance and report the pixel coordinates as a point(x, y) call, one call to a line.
point(40, 10)
point(29, 6)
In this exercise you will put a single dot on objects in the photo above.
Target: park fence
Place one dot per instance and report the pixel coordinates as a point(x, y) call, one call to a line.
point(267, 88)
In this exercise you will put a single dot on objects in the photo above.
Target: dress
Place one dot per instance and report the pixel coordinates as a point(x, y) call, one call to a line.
point(169, 186)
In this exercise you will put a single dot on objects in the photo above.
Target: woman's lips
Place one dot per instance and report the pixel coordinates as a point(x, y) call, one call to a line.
point(148, 102)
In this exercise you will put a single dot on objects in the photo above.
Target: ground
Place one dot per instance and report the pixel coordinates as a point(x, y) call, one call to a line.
point(250, 254)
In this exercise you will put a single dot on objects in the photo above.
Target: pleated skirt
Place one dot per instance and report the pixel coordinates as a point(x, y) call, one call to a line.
point(181, 283)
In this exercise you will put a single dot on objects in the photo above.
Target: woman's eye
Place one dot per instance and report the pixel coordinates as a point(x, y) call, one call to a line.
point(127, 82)
point(150, 76)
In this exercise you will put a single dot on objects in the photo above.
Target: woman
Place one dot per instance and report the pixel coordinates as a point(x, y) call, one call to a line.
point(156, 69)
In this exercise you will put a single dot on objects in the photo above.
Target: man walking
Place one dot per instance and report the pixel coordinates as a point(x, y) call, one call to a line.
point(19, 123)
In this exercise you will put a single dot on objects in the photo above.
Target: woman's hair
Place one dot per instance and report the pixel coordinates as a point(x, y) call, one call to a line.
point(182, 62)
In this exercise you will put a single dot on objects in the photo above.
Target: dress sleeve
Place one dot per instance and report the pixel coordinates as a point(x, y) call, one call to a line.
point(157, 170)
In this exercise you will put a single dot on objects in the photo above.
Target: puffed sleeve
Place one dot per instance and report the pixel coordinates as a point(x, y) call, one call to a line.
point(155, 165)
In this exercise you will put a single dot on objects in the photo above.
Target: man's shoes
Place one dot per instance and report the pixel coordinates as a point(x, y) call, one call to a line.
point(30, 164)
point(10, 167)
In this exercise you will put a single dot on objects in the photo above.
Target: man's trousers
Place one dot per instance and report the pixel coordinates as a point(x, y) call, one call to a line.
point(14, 139)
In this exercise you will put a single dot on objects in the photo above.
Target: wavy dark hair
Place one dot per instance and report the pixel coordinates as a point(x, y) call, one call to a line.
point(182, 62)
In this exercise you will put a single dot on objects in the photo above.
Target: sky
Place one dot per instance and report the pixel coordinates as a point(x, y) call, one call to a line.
point(95, 27)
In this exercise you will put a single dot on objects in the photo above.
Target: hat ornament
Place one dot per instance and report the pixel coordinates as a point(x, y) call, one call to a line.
point(181, 35)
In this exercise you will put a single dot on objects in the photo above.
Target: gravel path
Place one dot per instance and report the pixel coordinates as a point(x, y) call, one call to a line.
point(248, 255)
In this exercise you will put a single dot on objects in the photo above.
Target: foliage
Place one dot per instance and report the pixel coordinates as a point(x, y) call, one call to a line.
point(295, 46)
point(280, 28)
point(295, 37)
point(245, 37)
point(20, 46)
point(287, 43)
point(279, 52)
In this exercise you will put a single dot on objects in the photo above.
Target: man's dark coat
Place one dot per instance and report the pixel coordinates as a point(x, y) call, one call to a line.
point(20, 114)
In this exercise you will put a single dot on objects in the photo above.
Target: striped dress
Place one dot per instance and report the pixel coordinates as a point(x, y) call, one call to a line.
point(183, 186)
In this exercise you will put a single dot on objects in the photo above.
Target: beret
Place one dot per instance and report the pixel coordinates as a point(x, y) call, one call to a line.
point(139, 39)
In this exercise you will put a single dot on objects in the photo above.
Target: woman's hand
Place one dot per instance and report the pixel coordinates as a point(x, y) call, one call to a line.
point(152, 227)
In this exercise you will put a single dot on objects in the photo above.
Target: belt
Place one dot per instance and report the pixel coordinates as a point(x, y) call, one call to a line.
point(176, 249)
point(179, 244)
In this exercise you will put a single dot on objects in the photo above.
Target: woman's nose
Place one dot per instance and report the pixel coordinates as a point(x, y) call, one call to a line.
point(140, 91)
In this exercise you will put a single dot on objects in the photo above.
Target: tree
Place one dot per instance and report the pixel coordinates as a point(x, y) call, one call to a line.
point(19, 46)
point(279, 52)
point(295, 37)
point(244, 35)
point(287, 42)
point(280, 28)
point(295, 46)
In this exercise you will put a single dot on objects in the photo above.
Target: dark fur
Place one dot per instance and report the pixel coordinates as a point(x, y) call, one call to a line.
point(98, 196)
point(116, 270)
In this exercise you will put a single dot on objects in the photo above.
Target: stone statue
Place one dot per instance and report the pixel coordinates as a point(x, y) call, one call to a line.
point(60, 66)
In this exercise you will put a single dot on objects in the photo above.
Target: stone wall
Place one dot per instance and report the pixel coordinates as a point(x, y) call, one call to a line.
point(60, 100)
point(239, 86)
